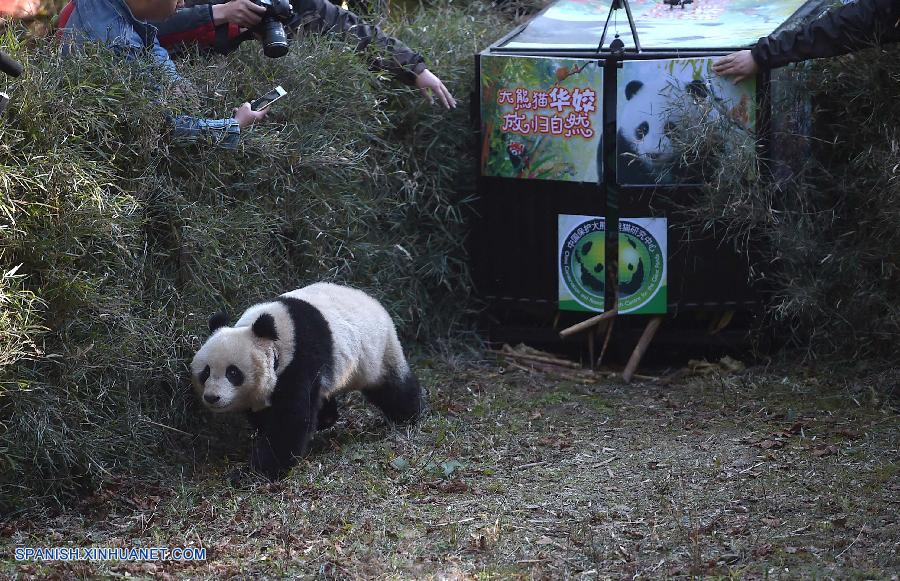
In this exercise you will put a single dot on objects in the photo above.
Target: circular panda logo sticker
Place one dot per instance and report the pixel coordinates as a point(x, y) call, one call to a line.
point(641, 266)
point(583, 262)
point(583, 265)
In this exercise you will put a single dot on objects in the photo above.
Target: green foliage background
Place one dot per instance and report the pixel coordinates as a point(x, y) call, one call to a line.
point(117, 243)
point(817, 212)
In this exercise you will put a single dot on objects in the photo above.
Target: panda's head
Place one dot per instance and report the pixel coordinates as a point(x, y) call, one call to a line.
point(651, 111)
point(235, 369)
point(644, 125)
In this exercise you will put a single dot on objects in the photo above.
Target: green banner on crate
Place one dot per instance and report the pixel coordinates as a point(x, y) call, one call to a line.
point(642, 264)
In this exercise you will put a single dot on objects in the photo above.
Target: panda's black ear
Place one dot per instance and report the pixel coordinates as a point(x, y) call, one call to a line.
point(698, 89)
point(264, 327)
point(218, 321)
point(632, 88)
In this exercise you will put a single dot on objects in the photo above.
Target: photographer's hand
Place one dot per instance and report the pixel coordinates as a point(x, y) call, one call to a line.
point(244, 13)
point(430, 85)
point(245, 116)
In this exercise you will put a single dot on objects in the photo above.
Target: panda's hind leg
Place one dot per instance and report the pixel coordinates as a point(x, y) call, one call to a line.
point(400, 397)
point(328, 413)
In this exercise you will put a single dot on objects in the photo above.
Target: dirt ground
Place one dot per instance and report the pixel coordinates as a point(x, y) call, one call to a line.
point(517, 474)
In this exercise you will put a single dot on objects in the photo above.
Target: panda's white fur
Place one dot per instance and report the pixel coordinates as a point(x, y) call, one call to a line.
point(284, 361)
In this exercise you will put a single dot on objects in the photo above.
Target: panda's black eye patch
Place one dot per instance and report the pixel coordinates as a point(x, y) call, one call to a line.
point(642, 130)
point(234, 375)
point(204, 375)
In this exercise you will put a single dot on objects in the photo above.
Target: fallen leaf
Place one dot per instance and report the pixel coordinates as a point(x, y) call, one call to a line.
point(847, 433)
point(544, 541)
point(771, 444)
point(450, 467)
point(557, 443)
point(796, 428)
point(840, 520)
point(399, 463)
point(772, 522)
point(730, 558)
point(456, 486)
point(822, 450)
point(762, 550)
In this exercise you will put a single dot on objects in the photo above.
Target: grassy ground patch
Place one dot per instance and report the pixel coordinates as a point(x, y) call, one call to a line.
point(751, 475)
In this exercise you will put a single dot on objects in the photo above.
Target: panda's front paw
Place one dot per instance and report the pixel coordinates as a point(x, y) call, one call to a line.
point(263, 462)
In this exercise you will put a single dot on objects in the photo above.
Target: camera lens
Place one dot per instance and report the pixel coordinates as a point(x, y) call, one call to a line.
point(275, 42)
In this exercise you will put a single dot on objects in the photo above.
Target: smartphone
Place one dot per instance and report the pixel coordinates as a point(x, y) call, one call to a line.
point(267, 99)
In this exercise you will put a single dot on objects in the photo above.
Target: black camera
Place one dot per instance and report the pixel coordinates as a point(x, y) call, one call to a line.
point(274, 36)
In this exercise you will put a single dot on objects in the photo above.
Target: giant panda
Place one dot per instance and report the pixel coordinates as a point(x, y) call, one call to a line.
point(285, 361)
point(644, 149)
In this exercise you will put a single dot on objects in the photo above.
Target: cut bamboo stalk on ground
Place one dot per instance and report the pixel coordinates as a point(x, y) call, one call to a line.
point(588, 323)
point(538, 358)
point(641, 347)
point(591, 342)
point(609, 329)
point(556, 372)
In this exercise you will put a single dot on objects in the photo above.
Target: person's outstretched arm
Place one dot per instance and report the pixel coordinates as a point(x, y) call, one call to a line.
point(844, 29)
point(401, 61)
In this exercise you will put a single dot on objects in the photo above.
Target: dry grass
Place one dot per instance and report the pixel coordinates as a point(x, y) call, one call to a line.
point(817, 212)
point(778, 473)
point(117, 242)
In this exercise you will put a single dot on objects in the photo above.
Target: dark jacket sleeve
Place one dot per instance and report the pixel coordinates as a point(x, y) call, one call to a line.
point(321, 16)
point(850, 27)
point(186, 19)
point(190, 24)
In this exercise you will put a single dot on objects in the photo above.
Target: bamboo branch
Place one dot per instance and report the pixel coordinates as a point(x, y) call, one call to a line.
point(640, 348)
point(610, 314)
point(538, 358)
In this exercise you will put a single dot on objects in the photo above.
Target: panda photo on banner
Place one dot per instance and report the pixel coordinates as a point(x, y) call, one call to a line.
point(658, 98)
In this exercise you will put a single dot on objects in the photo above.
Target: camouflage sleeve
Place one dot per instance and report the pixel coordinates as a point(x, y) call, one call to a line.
point(321, 16)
